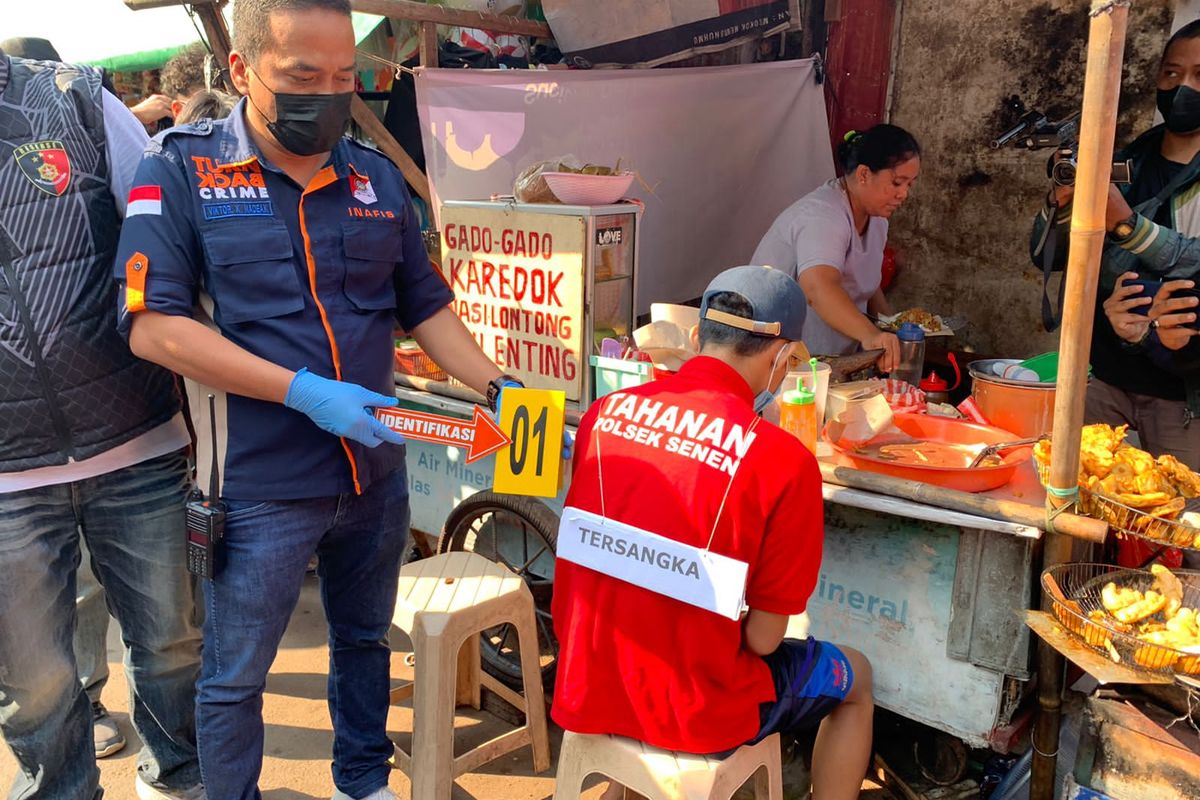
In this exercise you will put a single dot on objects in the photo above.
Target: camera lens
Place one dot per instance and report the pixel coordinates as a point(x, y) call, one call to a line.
point(1064, 173)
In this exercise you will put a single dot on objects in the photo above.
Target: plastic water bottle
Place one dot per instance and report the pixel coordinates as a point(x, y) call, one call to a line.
point(912, 353)
point(798, 412)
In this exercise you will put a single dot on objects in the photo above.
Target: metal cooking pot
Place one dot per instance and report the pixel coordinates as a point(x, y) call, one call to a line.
point(1026, 408)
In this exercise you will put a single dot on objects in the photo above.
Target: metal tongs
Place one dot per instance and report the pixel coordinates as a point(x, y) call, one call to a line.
point(993, 449)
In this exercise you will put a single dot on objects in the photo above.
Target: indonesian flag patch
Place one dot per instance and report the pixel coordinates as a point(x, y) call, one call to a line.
point(46, 165)
point(144, 200)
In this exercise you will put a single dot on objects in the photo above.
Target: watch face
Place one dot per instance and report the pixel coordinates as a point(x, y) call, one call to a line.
point(1123, 230)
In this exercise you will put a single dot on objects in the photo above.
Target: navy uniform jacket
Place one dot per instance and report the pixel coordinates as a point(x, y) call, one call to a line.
point(313, 276)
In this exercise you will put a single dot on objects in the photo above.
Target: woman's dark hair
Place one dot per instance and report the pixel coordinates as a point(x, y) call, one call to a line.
point(880, 147)
point(1189, 31)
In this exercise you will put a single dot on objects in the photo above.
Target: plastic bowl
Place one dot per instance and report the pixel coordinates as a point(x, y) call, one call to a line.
point(588, 190)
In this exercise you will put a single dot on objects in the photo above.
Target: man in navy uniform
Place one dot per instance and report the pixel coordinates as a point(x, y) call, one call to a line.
point(304, 250)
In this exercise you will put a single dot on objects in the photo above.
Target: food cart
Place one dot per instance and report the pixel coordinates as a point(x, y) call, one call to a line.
point(931, 596)
point(929, 583)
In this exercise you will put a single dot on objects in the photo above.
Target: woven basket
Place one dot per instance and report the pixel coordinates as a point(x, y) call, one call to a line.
point(412, 360)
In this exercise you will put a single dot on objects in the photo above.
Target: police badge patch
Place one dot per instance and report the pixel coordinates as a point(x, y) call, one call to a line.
point(46, 165)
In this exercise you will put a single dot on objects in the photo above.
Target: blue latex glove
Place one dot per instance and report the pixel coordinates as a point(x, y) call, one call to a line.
point(568, 443)
point(341, 408)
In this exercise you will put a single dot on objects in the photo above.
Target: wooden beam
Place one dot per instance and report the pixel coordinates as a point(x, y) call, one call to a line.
point(213, 21)
point(141, 5)
point(429, 44)
point(419, 12)
point(384, 140)
point(215, 30)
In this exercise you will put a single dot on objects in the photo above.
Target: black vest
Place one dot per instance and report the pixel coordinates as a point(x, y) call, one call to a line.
point(69, 386)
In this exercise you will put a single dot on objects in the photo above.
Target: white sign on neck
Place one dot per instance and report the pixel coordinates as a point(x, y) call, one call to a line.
point(681, 571)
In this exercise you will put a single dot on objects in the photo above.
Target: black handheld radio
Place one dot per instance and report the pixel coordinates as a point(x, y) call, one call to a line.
point(206, 518)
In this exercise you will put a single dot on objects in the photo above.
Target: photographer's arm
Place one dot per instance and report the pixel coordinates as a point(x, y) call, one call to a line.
point(1161, 252)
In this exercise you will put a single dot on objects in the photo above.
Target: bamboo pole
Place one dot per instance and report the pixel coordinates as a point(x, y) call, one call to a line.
point(1097, 129)
point(1085, 528)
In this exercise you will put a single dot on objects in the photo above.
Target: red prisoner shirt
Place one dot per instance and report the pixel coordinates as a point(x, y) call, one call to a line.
point(640, 664)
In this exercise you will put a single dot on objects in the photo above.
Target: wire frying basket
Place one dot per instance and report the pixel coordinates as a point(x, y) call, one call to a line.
point(1139, 523)
point(1142, 524)
point(1075, 592)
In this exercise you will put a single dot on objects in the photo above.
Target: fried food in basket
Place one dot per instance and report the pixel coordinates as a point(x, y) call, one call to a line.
point(1148, 606)
point(1170, 631)
point(1153, 657)
point(1172, 589)
point(1098, 446)
point(1116, 598)
point(1095, 634)
point(1108, 468)
point(1091, 627)
point(1186, 481)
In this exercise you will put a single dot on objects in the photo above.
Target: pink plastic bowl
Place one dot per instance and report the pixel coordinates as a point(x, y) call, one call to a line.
point(588, 190)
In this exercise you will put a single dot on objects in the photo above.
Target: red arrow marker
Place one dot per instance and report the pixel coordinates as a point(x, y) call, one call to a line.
point(480, 437)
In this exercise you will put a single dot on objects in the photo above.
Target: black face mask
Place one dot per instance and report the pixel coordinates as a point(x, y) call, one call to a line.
point(308, 124)
point(1180, 108)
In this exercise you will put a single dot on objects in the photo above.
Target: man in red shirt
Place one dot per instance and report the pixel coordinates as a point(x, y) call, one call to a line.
point(684, 465)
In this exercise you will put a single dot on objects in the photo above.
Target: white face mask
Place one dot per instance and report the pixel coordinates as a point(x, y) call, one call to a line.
point(766, 396)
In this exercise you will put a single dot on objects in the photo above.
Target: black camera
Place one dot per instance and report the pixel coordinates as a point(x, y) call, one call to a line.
point(1035, 131)
point(1061, 169)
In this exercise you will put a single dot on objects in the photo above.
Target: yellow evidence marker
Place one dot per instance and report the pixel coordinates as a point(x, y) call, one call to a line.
point(532, 464)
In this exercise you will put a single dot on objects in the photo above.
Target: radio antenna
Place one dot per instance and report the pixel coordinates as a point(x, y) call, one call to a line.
point(214, 477)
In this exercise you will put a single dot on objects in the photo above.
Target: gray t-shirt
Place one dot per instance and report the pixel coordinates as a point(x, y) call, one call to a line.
point(818, 229)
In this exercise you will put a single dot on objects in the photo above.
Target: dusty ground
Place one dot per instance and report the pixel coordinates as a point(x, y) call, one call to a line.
point(299, 735)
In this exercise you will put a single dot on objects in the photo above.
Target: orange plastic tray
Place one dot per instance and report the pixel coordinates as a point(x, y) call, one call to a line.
point(931, 428)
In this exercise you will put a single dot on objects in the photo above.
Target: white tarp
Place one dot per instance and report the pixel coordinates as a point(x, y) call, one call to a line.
point(725, 149)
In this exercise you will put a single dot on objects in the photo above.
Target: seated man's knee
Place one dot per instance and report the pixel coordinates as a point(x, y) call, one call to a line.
point(862, 688)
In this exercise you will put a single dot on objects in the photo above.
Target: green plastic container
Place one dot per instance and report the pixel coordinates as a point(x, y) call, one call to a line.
point(613, 374)
point(1046, 366)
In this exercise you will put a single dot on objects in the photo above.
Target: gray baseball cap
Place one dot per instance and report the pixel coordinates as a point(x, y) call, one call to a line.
point(778, 302)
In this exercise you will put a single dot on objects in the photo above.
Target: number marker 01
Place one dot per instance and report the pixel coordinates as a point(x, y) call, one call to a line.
point(532, 465)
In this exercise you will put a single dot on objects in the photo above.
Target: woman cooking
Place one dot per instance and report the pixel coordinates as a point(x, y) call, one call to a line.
point(831, 241)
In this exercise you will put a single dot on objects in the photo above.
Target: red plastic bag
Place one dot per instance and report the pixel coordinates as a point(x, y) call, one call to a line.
point(1134, 553)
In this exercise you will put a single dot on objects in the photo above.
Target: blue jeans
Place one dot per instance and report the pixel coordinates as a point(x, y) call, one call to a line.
point(132, 520)
point(91, 629)
point(361, 541)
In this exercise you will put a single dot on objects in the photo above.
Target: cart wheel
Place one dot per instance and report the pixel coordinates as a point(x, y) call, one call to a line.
point(520, 533)
point(942, 758)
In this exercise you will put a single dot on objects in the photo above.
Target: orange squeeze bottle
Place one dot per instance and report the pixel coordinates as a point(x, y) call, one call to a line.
point(798, 413)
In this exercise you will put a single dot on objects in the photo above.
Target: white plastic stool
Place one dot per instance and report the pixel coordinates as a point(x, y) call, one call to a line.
point(443, 604)
point(664, 775)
